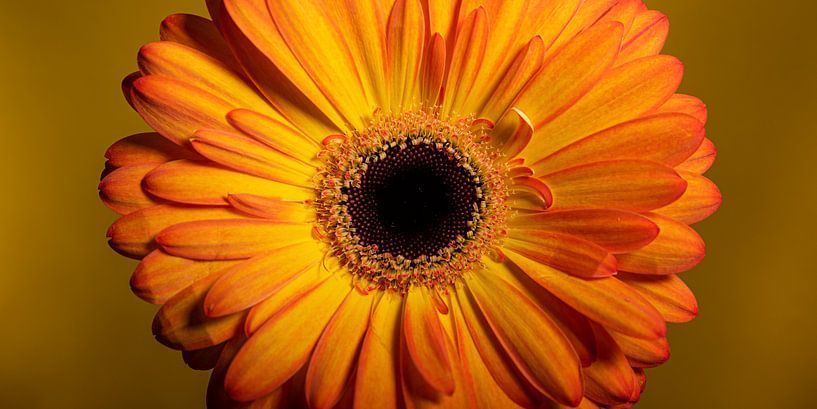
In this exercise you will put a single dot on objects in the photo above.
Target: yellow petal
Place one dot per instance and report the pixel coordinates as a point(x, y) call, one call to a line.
point(425, 341)
point(607, 301)
point(276, 134)
point(202, 184)
point(283, 345)
point(334, 360)
point(230, 239)
point(252, 281)
point(159, 276)
point(376, 383)
point(466, 60)
point(625, 93)
point(534, 343)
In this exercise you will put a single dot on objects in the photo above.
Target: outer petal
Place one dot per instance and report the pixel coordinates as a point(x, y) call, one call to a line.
point(535, 344)
point(496, 360)
point(230, 239)
point(623, 184)
point(466, 60)
point(121, 190)
point(646, 36)
point(617, 231)
point(670, 296)
point(181, 323)
point(198, 33)
point(425, 341)
point(254, 280)
point(563, 252)
point(405, 40)
point(144, 148)
point(685, 104)
point(569, 74)
point(246, 155)
point(376, 383)
point(176, 109)
point(701, 160)
point(677, 248)
point(607, 301)
point(160, 276)
point(701, 199)
point(668, 139)
point(275, 134)
point(333, 361)
point(642, 352)
point(283, 345)
point(202, 184)
point(625, 93)
point(134, 234)
point(609, 380)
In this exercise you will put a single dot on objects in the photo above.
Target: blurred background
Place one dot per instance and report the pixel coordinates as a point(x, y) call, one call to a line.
point(75, 337)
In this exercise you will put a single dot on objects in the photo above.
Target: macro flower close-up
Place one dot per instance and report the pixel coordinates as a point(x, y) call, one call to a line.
point(414, 203)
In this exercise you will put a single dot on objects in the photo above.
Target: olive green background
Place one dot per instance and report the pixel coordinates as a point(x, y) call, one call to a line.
point(73, 336)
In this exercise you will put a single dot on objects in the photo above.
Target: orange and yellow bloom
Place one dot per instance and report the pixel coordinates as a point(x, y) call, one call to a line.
point(414, 203)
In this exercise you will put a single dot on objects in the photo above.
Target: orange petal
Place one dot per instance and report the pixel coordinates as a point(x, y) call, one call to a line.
point(569, 74)
point(494, 357)
point(133, 235)
point(466, 60)
point(159, 276)
point(121, 190)
point(377, 375)
point(293, 290)
point(633, 185)
point(532, 192)
point(334, 360)
point(513, 133)
point(685, 104)
point(230, 239)
point(490, 393)
point(425, 341)
point(625, 93)
point(574, 325)
point(513, 23)
point(607, 301)
point(203, 184)
point(318, 43)
point(433, 70)
point(363, 24)
point(646, 36)
point(181, 323)
point(271, 207)
point(405, 36)
point(623, 12)
point(588, 13)
point(419, 394)
point(701, 160)
point(609, 380)
point(144, 148)
point(641, 352)
point(563, 252)
point(252, 281)
point(200, 34)
point(283, 345)
point(248, 27)
point(617, 231)
point(523, 67)
point(534, 343)
point(180, 62)
point(670, 296)
point(668, 139)
point(202, 359)
point(276, 134)
point(176, 109)
point(677, 248)
point(701, 199)
point(246, 155)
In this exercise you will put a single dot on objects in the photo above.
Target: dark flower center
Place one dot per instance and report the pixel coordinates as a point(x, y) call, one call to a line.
point(415, 201)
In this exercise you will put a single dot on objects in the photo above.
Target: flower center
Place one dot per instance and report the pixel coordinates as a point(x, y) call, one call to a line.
point(414, 202)
point(411, 200)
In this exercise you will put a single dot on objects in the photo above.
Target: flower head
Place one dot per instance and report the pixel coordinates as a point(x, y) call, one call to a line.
point(414, 203)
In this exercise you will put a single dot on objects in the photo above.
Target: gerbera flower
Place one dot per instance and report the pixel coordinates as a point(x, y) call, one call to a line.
point(414, 203)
